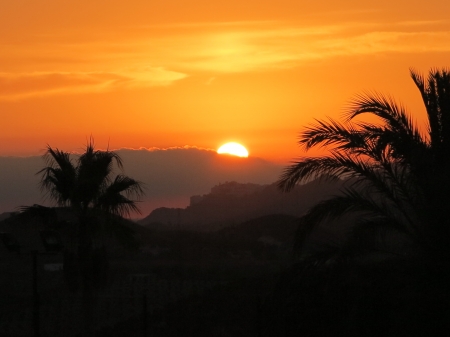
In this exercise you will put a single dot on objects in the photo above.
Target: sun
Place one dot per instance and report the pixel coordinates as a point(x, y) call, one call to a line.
point(234, 149)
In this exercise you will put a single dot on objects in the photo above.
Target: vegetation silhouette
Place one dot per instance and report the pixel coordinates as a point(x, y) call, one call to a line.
point(97, 201)
point(397, 175)
point(395, 196)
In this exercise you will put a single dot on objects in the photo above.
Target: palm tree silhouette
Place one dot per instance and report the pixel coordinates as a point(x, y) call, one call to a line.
point(88, 185)
point(397, 176)
point(97, 201)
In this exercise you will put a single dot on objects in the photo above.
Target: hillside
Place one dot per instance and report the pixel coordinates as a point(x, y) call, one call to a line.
point(218, 210)
point(266, 237)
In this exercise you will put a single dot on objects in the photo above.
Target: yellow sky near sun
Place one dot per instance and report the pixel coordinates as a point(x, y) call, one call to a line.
point(201, 73)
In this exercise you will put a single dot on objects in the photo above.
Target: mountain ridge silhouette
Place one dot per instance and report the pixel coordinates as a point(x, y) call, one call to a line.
point(217, 210)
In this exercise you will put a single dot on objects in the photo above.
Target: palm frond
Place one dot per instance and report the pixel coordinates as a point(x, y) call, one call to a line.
point(400, 135)
point(94, 173)
point(124, 184)
point(113, 199)
point(57, 158)
point(91, 154)
point(58, 178)
point(382, 106)
point(118, 204)
point(395, 116)
point(307, 169)
point(350, 202)
point(435, 94)
point(339, 165)
point(331, 133)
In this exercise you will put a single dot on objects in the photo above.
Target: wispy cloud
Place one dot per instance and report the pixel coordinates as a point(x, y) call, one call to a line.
point(210, 24)
point(152, 76)
point(265, 47)
point(171, 148)
point(23, 85)
point(386, 42)
point(421, 22)
point(162, 55)
point(260, 46)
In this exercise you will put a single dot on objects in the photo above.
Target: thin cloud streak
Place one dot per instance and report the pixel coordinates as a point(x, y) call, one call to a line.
point(171, 148)
point(262, 50)
point(148, 58)
point(26, 85)
point(270, 45)
point(421, 22)
point(209, 24)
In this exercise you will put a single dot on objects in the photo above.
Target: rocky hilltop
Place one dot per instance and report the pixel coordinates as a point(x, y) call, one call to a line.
point(232, 202)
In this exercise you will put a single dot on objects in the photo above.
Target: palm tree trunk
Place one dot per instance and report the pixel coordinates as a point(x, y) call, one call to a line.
point(86, 269)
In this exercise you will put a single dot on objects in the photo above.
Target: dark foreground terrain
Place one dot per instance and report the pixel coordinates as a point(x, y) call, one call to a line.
point(240, 281)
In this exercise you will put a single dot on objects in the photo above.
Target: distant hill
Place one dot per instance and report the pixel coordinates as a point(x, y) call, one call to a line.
point(6, 215)
point(222, 208)
point(281, 227)
point(170, 176)
point(263, 238)
point(25, 229)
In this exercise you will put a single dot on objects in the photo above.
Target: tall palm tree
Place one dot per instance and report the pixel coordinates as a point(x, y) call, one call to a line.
point(87, 188)
point(398, 177)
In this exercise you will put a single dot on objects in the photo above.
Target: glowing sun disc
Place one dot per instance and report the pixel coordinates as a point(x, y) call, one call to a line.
point(234, 149)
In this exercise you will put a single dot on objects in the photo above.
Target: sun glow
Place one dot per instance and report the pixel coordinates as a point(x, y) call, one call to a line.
point(234, 149)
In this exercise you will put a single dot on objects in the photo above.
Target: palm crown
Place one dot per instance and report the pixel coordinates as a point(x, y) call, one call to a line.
point(397, 176)
point(89, 184)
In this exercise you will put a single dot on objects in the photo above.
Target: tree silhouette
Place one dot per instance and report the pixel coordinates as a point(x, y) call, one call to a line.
point(97, 200)
point(88, 185)
point(397, 176)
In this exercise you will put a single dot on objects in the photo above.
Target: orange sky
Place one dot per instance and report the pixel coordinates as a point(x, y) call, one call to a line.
point(169, 73)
